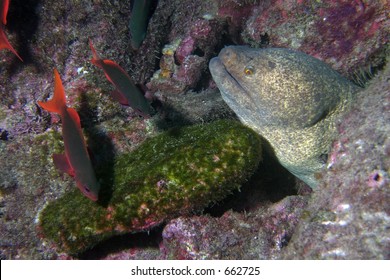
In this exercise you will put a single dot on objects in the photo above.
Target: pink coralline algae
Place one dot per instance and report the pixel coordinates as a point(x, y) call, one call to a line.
point(185, 60)
point(198, 37)
point(236, 13)
point(261, 234)
point(190, 70)
point(342, 33)
point(185, 48)
point(348, 30)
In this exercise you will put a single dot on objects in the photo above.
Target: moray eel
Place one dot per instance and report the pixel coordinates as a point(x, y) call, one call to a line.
point(291, 99)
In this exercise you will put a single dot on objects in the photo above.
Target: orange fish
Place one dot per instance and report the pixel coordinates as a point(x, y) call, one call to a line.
point(127, 93)
point(76, 161)
point(4, 44)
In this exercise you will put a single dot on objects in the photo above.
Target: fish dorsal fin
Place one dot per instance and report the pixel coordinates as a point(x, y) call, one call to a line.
point(73, 114)
point(4, 11)
point(96, 60)
point(94, 53)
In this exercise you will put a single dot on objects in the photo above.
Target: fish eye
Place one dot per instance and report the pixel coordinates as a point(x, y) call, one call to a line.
point(87, 189)
point(249, 70)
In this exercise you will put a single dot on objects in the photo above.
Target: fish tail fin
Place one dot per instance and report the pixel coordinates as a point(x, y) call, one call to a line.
point(4, 44)
point(58, 102)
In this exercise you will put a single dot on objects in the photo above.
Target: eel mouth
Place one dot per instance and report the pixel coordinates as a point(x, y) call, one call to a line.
point(219, 72)
point(228, 85)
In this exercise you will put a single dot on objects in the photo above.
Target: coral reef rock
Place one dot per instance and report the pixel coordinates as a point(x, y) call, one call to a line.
point(260, 234)
point(348, 217)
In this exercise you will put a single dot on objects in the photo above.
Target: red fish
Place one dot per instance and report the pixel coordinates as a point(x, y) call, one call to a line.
point(76, 161)
point(4, 44)
point(127, 93)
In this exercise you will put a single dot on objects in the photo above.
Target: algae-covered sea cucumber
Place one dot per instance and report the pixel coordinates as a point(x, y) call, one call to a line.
point(177, 172)
point(292, 99)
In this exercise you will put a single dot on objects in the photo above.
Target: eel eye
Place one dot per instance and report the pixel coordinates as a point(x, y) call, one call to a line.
point(249, 70)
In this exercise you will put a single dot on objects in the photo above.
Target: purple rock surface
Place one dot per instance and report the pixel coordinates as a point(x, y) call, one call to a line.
point(346, 218)
point(258, 234)
point(349, 216)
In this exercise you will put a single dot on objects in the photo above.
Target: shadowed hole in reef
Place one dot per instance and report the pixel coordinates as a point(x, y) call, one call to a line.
point(23, 19)
point(199, 52)
point(204, 82)
point(363, 75)
point(270, 183)
point(3, 134)
point(137, 241)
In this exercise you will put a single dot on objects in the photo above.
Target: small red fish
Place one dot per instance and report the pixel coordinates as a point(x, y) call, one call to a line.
point(4, 44)
point(76, 161)
point(127, 93)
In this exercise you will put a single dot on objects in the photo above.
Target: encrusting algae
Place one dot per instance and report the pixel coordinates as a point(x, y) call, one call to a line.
point(175, 173)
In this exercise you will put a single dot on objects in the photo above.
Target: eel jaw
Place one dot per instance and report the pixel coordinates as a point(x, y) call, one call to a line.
point(228, 85)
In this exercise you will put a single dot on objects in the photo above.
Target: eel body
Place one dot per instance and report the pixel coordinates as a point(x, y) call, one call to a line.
point(291, 99)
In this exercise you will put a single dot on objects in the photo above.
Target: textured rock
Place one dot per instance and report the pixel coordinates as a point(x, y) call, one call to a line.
point(260, 234)
point(348, 35)
point(193, 35)
point(349, 215)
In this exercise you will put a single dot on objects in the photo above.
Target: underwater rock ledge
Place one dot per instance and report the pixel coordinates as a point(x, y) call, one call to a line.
point(178, 172)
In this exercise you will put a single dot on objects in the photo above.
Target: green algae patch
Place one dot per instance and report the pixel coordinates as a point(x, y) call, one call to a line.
point(172, 174)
